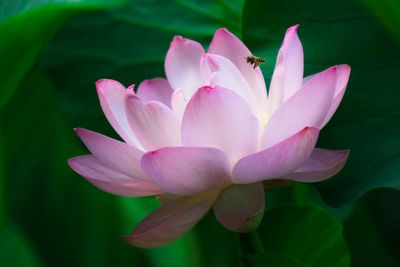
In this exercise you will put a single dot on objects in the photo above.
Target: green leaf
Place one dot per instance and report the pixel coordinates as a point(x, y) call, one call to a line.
point(306, 234)
point(10, 8)
point(372, 231)
point(388, 12)
point(2, 181)
point(212, 237)
point(368, 121)
point(271, 260)
point(15, 250)
point(26, 27)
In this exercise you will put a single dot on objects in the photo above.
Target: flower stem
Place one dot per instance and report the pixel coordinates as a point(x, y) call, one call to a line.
point(251, 243)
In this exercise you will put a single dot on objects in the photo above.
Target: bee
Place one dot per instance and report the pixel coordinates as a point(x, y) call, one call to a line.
point(254, 61)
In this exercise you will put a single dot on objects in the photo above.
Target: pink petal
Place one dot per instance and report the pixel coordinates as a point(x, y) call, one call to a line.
point(111, 180)
point(113, 154)
point(278, 160)
point(306, 79)
point(154, 124)
point(178, 103)
point(223, 73)
point(307, 108)
point(217, 117)
point(321, 165)
point(343, 74)
point(240, 207)
point(187, 170)
point(112, 99)
point(170, 221)
point(156, 89)
point(229, 46)
point(288, 73)
point(182, 65)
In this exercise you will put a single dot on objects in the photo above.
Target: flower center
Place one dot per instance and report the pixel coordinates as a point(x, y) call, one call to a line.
point(265, 120)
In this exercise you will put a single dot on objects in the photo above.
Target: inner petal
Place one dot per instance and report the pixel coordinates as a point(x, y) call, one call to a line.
point(220, 71)
point(218, 117)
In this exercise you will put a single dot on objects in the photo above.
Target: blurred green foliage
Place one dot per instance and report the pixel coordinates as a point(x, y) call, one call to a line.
point(26, 27)
point(52, 52)
point(307, 234)
point(387, 11)
point(373, 226)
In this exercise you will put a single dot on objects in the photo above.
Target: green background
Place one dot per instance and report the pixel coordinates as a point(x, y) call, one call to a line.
point(52, 52)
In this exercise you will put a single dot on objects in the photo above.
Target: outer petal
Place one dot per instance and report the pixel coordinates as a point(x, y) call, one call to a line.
point(229, 46)
point(182, 65)
point(113, 154)
point(157, 89)
point(240, 207)
point(277, 161)
point(171, 220)
point(217, 117)
point(187, 170)
point(307, 108)
point(112, 99)
point(306, 79)
point(343, 74)
point(154, 124)
point(111, 180)
point(224, 73)
point(321, 165)
point(288, 73)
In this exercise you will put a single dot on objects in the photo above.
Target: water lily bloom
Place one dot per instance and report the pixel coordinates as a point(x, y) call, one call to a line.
point(208, 136)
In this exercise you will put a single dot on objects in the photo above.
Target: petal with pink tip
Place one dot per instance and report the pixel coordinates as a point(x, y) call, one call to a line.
point(321, 165)
point(154, 124)
point(223, 73)
point(182, 65)
point(306, 79)
point(229, 46)
point(187, 171)
point(113, 154)
point(240, 207)
point(170, 221)
point(343, 74)
point(306, 108)
point(288, 72)
point(217, 117)
point(157, 89)
point(111, 180)
point(278, 160)
point(112, 100)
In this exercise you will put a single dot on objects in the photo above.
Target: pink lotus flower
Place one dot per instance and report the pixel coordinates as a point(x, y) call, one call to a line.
point(208, 136)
